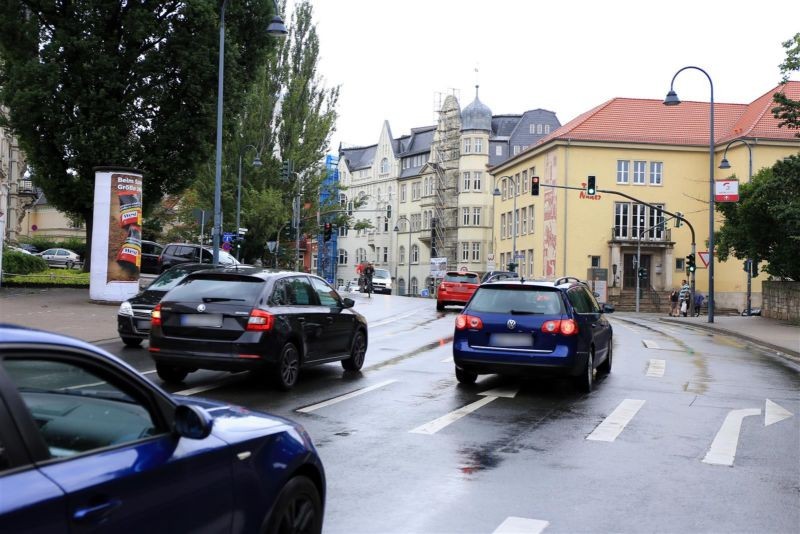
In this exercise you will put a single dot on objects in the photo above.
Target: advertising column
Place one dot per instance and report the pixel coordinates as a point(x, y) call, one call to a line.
point(117, 234)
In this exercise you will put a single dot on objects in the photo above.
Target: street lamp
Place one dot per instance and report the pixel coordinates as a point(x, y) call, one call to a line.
point(256, 163)
point(408, 252)
point(497, 193)
point(276, 29)
point(725, 165)
point(672, 100)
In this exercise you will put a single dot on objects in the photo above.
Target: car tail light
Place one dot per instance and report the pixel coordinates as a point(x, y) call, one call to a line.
point(566, 327)
point(155, 316)
point(471, 322)
point(260, 321)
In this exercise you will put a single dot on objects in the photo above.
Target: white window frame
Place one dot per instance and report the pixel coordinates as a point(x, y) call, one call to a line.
point(466, 182)
point(464, 216)
point(478, 145)
point(465, 251)
point(477, 181)
point(467, 145)
point(623, 171)
point(414, 254)
point(639, 169)
point(476, 251)
point(476, 216)
point(656, 172)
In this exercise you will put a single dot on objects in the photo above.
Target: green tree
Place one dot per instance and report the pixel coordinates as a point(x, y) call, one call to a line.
point(765, 224)
point(788, 110)
point(130, 84)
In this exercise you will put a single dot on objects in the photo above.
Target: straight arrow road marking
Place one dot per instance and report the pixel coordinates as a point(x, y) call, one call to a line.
point(650, 344)
point(521, 525)
point(774, 413)
point(723, 448)
point(656, 368)
point(445, 420)
point(615, 423)
point(340, 398)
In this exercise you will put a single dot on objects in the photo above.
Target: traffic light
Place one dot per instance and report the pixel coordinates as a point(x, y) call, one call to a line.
point(678, 220)
point(512, 266)
point(591, 186)
point(327, 232)
point(535, 186)
point(690, 264)
point(642, 273)
point(286, 170)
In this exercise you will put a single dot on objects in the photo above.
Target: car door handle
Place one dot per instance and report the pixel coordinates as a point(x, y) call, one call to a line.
point(97, 512)
point(301, 319)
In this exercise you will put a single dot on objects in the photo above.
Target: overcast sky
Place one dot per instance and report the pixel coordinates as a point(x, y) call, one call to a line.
point(391, 58)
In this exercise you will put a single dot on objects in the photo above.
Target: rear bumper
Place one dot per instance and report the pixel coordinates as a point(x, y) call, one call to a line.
point(213, 361)
point(453, 297)
point(252, 350)
point(486, 360)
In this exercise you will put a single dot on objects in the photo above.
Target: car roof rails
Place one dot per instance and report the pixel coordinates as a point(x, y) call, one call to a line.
point(567, 279)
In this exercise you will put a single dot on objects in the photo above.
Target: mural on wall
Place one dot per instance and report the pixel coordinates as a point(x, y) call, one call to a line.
point(125, 228)
point(549, 217)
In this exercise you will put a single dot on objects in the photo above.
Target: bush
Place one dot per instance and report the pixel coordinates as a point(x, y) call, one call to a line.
point(21, 263)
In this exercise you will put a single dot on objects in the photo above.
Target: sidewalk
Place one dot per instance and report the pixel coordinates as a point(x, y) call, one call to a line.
point(780, 336)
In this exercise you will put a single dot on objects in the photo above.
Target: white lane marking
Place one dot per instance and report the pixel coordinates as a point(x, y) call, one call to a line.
point(200, 389)
point(449, 359)
point(774, 412)
point(656, 368)
point(521, 525)
point(438, 424)
point(150, 372)
point(723, 448)
point(356, 393)
point(615, 423)
point(393, 319)
point(508, 392)
point(650, 344)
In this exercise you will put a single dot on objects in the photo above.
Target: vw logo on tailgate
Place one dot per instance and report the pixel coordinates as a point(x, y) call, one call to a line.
point(201, 308)
point(511, 324)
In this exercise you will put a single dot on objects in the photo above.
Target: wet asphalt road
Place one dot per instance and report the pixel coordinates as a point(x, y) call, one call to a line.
point(649, 450)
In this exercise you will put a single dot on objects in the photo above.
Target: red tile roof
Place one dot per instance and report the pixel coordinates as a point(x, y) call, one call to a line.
point(633, 120)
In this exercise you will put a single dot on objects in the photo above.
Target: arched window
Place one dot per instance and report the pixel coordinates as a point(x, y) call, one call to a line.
point(414, 286)
point(342, 256)
point(402, 255)
point(384, 166)
point(414, 254)
point(401, 287)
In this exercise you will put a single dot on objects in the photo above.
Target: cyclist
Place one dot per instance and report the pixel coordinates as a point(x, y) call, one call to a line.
point(369, 271)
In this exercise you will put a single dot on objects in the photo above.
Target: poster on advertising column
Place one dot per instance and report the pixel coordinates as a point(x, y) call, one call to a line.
point(116, 238)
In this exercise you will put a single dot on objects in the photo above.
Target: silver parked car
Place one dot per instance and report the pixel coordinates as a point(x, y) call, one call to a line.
point(61, 257)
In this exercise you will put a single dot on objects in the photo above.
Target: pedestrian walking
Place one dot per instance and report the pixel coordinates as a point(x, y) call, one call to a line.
point(698, 303)
point(673, 300)
point(684, 296)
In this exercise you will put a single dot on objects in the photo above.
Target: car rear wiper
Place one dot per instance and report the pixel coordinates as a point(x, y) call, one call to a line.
point(221, 299)
point(523, 312)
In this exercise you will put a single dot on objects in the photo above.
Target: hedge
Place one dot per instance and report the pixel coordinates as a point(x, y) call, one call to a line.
point(20, 263)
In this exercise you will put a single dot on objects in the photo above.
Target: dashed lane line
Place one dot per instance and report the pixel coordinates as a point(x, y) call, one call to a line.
point(656, 368)
point(521, 525)
point(613, 425)
point(650, 344)
point(440, 423)
point(335, 400)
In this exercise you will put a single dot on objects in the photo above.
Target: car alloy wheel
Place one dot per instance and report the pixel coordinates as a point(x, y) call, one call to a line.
point(288, 367)
point(297, 510)
point(357, 353)
point(69, 264)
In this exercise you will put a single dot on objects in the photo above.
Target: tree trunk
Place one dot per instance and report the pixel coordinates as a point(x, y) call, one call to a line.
point(88, 217)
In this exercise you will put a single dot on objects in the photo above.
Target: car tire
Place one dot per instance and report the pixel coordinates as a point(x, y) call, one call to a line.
point(69, 265)
point(297, 509)
point(465, 377)
point(439, 306)
point(585, 380)
point(171, 374)
point(288, 368)
point(605, 367)
point(358, 351)
point(132, 342)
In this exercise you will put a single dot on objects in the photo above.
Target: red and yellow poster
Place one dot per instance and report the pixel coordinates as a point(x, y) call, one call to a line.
point(125, 228)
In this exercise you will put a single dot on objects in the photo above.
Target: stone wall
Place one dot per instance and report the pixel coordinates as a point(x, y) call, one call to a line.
point(781, 300)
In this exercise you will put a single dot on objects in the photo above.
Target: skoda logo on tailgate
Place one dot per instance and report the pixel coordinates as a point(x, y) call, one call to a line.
point(511, 324)
point(201, 308)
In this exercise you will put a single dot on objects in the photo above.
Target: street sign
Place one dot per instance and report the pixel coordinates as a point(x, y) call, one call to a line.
point(704, 257)
point(271, 245)
point(519, 255)
point(242, 230)
point(726, 191)
point(226, 246)
point(227, 237)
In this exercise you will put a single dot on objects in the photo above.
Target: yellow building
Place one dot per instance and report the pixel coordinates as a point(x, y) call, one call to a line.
point(655, 153)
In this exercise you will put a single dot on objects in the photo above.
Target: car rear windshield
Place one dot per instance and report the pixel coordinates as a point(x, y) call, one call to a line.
point(464, 278)
point(518, 299)
point(218, 288)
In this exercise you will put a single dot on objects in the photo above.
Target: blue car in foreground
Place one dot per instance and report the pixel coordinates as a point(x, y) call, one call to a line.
point(521, 327)
point(88, 444)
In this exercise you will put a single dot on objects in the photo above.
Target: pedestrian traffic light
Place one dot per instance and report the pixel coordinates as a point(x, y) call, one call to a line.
point(327, 232)
point(690, 265)
point(535, 186)
point(591, 186)
point(642, 273)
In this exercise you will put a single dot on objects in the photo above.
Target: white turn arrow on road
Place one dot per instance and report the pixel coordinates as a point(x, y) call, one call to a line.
point(774, 413)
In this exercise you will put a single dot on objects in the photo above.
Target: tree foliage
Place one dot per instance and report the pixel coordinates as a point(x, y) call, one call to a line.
point(788, 110)
point(765, 224)
point(122, 83)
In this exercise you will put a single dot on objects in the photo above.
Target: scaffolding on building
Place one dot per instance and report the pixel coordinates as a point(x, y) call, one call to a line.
point(445, 153)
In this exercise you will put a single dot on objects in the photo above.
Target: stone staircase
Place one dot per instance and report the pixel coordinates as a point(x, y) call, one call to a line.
point(649, 303)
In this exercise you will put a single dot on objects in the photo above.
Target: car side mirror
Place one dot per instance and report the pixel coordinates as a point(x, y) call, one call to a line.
point(192, 422)
point(608, 308)
point(348, 302)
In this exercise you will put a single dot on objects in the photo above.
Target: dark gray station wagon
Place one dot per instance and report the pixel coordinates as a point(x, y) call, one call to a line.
point(249, 318)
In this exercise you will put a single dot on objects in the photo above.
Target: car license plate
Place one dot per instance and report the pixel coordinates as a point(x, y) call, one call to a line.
point(207, 320)
point(512, 340)
point(462, 289)
point(142, 325)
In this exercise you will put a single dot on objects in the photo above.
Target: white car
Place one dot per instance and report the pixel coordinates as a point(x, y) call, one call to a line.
point(382, 281)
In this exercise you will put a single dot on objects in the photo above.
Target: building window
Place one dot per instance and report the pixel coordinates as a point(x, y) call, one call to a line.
point(314, 261)
point(385, 254)
point(638, 171)
point(403, 193)
point(384, 166)
point(530, 219)
point(531, 128)
point(526, 185)
point(524, 215)
point(595, 261)
point(343, 231)
point(656, 172)
point(680, 264)
point(415, 190)
point(516, 185)
point(478, 145)
point(467, 182)
point(476, 181)
point(498, 150)
point(414, 286)
point(342, 256)
point(361, 255)
point(467, 145)
point(464, 216)
point(476, 251)
point(621, 219)
point(530, 262)
point(508, 223)
point(538, 128)
point(623, 168)
point(465, 251)
point(516, 149)
point(402, 255)
point(516, 222)
point(476, 216)
point(414, 253)
point(655, 222)
point(638, 220)
point(504, 188)
point(522, 263)
point(502, 226)
point(547, 128)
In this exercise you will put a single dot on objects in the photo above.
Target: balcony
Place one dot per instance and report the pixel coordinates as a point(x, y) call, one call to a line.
point(630, 236)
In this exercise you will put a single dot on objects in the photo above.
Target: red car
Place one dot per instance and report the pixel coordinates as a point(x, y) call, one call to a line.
point(456, 288)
